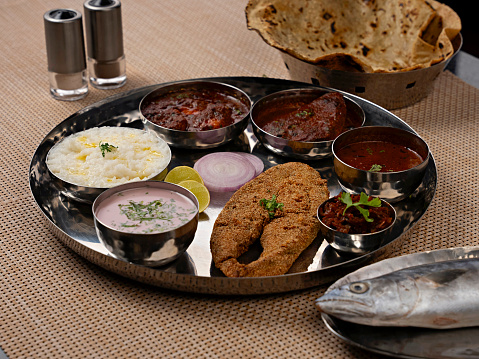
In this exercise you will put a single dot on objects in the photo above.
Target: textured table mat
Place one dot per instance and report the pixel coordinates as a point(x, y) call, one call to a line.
point(56, 304)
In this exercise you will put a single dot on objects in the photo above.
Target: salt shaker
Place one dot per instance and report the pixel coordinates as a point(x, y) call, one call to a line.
point(65, 54)
point(104, 35)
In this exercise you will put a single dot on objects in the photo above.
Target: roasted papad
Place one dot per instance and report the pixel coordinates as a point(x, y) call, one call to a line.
point(358, 35)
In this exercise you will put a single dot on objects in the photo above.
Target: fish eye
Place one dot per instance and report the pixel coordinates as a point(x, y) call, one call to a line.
point(359, 287)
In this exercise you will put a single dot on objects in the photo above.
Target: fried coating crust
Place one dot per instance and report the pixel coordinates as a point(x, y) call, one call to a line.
point(243, 220)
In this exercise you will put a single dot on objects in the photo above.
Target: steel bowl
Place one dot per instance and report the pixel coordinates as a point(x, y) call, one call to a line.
point(299, 149)
point(355, 244)
point(197, 139)
point(390, 186)
point(152, 249)
point(87, 194)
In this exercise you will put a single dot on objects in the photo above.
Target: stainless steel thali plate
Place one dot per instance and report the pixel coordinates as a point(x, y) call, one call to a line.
point(72, 221)
point(407, 342)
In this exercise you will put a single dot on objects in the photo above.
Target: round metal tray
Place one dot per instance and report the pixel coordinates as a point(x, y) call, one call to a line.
point(194, 271)
point(408, 342)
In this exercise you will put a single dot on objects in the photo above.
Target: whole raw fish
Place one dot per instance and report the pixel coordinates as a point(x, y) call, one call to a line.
point(439, 295)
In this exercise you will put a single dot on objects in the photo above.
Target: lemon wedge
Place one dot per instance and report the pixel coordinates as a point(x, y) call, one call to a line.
point(200, 192)
point(183, 173)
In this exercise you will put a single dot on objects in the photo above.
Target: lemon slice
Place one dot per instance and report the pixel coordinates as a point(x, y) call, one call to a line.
point(183, 173)
point(199, 190)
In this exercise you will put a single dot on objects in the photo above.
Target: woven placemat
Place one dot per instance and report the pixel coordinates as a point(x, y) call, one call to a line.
point(56, 304)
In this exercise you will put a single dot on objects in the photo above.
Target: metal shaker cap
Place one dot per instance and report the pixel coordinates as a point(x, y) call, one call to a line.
point(103, 29)
point(64, 41)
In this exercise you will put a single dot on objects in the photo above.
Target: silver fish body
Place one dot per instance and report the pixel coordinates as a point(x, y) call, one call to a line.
point(439, 295)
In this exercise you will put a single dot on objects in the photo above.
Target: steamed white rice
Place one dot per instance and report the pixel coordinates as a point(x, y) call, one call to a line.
point(138, 155)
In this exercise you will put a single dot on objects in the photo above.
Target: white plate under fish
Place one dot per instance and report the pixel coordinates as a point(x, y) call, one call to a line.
point(409, 342)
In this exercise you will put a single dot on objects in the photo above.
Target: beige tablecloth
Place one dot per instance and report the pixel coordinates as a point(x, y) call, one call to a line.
point(56, 304)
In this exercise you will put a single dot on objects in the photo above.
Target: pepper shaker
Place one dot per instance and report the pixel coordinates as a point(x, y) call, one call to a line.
point(65, 54)
point(104, 35)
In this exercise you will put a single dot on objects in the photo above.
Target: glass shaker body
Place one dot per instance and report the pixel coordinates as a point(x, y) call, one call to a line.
point(107, 74)
point(68, 87)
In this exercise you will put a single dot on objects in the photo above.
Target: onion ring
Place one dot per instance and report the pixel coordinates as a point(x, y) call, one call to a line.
point(255, 161)
point(224, 171)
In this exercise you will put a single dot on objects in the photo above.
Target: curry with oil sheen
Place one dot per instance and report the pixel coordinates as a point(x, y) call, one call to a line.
point(195, 110)
point(379, 156)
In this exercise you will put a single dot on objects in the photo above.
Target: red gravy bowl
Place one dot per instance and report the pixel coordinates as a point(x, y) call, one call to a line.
point(348, 231)
point(196, 114)
point(385, 162)
point(302, 123)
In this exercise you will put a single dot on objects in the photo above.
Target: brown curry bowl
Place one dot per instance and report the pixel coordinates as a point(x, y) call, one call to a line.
point(392, 186)
point(198, 139)
point(302, 150)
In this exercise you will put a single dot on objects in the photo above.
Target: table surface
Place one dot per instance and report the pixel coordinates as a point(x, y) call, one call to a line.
point(56, 304)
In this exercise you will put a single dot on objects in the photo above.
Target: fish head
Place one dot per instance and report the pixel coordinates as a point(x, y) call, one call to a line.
point(378, 301)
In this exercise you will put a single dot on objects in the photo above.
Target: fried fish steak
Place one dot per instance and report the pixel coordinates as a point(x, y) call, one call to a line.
point(300, 189)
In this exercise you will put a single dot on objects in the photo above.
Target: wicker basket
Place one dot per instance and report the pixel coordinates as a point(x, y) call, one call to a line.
point(389, 90)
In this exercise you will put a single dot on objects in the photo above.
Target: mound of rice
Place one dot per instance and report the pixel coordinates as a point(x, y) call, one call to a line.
point(104, 157)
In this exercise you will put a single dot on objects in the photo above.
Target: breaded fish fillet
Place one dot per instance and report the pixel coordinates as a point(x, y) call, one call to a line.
point(300, 189)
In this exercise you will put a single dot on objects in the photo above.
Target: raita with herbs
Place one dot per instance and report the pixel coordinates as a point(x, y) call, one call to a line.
point(146, 210)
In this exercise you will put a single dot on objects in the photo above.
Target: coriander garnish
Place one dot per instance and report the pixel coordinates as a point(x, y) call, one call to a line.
point(138, 211)
point(363, 200)
point(271, 205)
point(305, 113)
point(375, 168)
point(106, 147)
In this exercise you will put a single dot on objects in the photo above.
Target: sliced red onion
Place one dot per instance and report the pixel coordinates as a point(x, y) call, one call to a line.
point(255, 161)
point(224, 171)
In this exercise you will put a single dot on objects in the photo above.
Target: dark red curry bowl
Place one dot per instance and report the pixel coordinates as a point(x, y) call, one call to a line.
point(196, 114)
point(274, 108)
point(380, 177)
point(355, 243)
